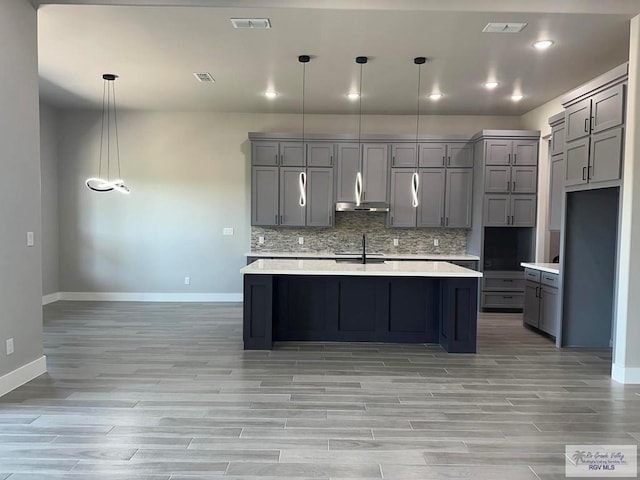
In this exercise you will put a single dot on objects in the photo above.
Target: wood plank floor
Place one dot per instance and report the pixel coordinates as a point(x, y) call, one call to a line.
point(164, 391)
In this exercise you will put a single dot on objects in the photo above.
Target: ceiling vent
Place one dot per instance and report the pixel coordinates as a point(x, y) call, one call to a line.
point(204, 77)
point(259, 23)
point(495, 27)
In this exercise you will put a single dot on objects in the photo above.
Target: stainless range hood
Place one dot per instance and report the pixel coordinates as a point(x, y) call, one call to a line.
point(363, 207)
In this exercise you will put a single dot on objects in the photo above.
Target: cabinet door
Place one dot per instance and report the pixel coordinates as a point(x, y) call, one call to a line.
point(523, 210)
point(497, 179)
point(431, 197)
point(498, 152)
point(605, 161)
point(524, 179)
point(320, 205)
point(432, 154)
point(348, 166)
point(264, 196)
point(576, 120)
point(525, 153)
point(576, 161)
point(497, 210)
point(401, 211)
point(549, 311)
point(459, 155)
point(265, 153)
point(459, 189)
point(404, 155)
point(607, 109)
point(291, 212)
point(556, 192)
point(292, 154)
point(375, 172)
point(320, 154)
point(531, 312)
point(557, 140)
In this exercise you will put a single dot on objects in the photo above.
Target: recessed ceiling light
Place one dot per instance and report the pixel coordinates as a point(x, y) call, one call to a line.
point(353, 96)
point(270, 94)
point(491, 85)
point(543, 44)
point(517, 98)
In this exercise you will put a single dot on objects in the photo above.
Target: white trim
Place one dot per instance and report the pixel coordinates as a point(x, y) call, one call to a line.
point(627, 375)
point(22, 375)
point(151, 297)
point(52, 297)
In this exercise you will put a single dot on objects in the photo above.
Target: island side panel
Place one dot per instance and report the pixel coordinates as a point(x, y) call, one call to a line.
point(412, 310)
point(258, 312)
point(458, 314)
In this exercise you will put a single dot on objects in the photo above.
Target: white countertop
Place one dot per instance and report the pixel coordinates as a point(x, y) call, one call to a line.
point(391, 256)
point(543, 267)
point(331, 267)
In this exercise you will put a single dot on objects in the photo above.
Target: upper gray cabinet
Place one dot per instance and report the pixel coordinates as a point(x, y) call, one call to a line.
point(431, 197)
point(402, 213)
point(511, 152)
point(509, 211)
point(557, 139)
point(556, 192)
point(404, 155)
point(577, 162)
point(506, 179)
point(292, 154)
point(264, 196)
point(320, 154)
point(348, 166)
point(292, 213)
point(605, 156)
point(459, 155)
point(498, 152)
point(607, 109)
point(458, 204)
point(372, 161)
point(319, 192)
point(265, 153)
point(434, 155)
point(577, 119)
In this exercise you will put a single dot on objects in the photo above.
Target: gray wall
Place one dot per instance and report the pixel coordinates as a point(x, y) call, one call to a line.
point(49, 187)
point(20, 266)
point(189, 175)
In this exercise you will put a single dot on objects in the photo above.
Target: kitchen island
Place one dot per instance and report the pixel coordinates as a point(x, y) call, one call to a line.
point(333, 301)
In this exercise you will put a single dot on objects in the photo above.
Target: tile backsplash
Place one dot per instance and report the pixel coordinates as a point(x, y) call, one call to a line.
point(346, 235)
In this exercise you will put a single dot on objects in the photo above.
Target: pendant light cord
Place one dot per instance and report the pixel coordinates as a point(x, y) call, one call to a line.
point(104, 93)
point(115, 124)
point(108, 134)
point(304, 76)
point(360, 110)
point(418, 108)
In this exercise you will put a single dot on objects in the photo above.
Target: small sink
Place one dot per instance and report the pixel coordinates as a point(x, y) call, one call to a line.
point(359, 260)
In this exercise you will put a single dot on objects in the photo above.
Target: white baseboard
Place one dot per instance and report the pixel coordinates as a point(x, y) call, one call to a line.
point(627, 375)
point(22, 375)
point(151, 297)
point(52, 297)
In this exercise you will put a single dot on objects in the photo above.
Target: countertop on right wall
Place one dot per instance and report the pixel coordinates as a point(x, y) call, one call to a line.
point(543, 267)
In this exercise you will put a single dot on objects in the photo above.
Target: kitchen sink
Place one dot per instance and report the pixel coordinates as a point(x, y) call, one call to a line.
point(359, 260)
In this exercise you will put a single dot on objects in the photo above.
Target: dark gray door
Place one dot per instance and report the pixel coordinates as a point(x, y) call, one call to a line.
point(347, 167)
point(292, 154)
point(265, 153)
point(523, 210)
point(557, 139)
point(524, 179)
point(497, 179)
point(498, 152)
point(375, 172)
point(525, 153)
point(557, 186)
point(433, 154)
point(401, 211)
point(320, 204)
point(577, 119)
point(576, 161)
point(531, 312)
point(459, 155)
point(320, 154)
point(549, 310)
point(264, 196)
point(459, 191)
point(497, 210)
point(291, 212)
point(607, 109)
point(431, 197)
point(404, 155)
point(605, 161)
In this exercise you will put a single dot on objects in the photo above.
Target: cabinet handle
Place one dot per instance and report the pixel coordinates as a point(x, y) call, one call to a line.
point(449, 162)
point(537, 292)
point(591, 123)
point(584, 173)
point(509, 158)
point(276, 221)
point(393, 160)
point(280, 219)
point(507, 280)
point(586, 125)
point(330, 159)
point(446, 222)
point(277, 159)
point(507, 296)
point(391, 219)
point(514, 186)
point(444, 159)
point(442, 221)
point(589, 175)
point(512, 220)
point(515, 158)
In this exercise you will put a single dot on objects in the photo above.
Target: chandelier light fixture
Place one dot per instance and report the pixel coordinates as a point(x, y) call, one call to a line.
point(103, 182)
point(358, 186)
point(303, 59)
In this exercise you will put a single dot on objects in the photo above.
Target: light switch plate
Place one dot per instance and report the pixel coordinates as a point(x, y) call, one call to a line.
point(187, 280)
point(227, 231)
point(30, 240)
point(436, 242)
point(395, 242)
point(9, 346)
point(300, 240)
point(261, 240)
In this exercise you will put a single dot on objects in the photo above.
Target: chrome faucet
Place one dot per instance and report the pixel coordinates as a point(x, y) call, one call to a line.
point(364, 248)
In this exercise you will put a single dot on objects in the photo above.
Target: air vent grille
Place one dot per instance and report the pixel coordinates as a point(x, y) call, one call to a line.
point(497, 27)
point(204, 77)
point(259, 23)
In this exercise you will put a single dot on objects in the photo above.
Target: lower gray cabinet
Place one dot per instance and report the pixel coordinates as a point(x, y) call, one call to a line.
point(549, 310)
point(458, 203)
point(320, 204)
point(541, 302)
point(264, 196)
point(502, 289)
point(292, 214)
point(531, 313)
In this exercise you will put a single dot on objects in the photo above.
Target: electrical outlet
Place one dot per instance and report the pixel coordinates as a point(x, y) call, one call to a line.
point(395, 242)
point(436, 242)
point(9, 346)
point(261, 240)
point(30, 241)
point(300, 240)
point(228, 231)
point(187, 280)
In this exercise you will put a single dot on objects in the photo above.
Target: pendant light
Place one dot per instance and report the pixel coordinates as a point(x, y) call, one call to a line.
point(303, 59)
point(415, 178)
point(358, 187)
point(100, 183)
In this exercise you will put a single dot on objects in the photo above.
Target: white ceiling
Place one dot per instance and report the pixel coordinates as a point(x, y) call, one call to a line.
point(155, 49)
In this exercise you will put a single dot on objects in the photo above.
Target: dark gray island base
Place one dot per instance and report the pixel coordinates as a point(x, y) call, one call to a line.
point(357, 308)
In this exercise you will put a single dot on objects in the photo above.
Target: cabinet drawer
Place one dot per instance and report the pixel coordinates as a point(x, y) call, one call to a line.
point(502, 300)
point(550, 279)
point(532, 275)
point(503, 284)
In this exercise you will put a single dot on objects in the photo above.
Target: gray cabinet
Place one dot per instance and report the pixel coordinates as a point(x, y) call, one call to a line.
point(577, 162)
point(605, 158)
point(509, 210)
point(541, 302)
point(264, 196)
point(404, 155)
point(549, 310)
point(524, 179)
point(524, 152)
point(401, 211)
point(320, 204)
point(375, 167)
point(511, 152)
point(607, 109)
point(523, 211)
point(531, 311)
point(556, 192)
point(433, 155)
point(265, 153)
point(507, 179)
point(557, 139)
point(577, 119)
point(459, 155)
point(502, 289)
point(310, 203)
point(431, 198)
point(292, 154)
point(498, 152)
point(348, 165)
point(320, 154)
point(458, 201)
point(292, 214)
